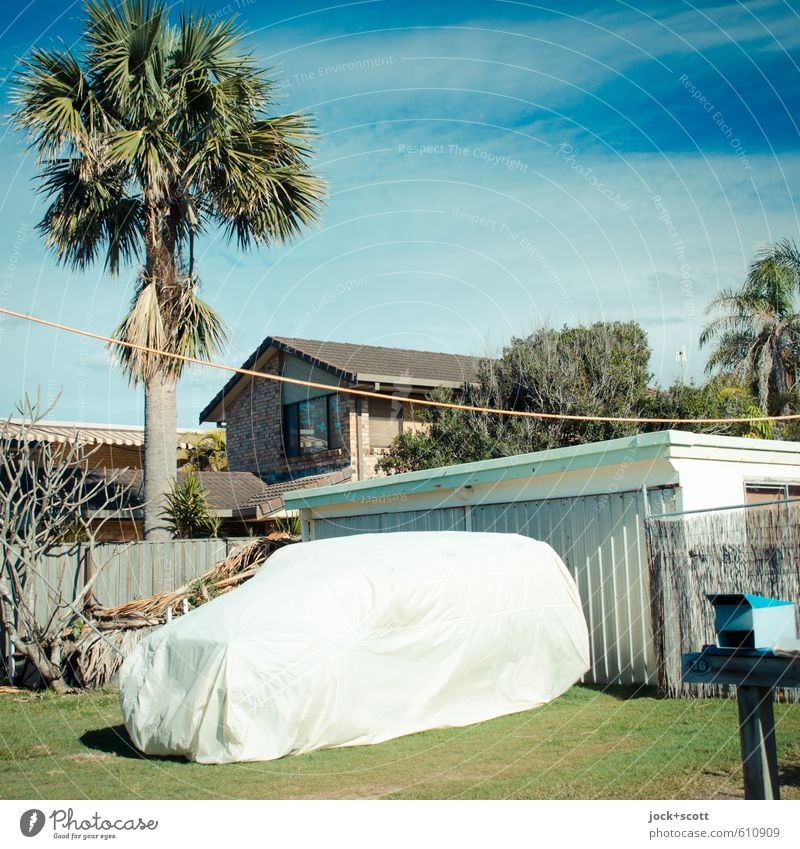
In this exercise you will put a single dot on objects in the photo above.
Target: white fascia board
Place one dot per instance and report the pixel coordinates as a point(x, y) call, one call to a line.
point(402, 382)
point(218, 413)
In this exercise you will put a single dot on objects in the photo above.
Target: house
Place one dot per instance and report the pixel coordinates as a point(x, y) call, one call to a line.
point(590, 503)
point(244, 504)
point(108, 446)
point(285, 432)
point(116, 454)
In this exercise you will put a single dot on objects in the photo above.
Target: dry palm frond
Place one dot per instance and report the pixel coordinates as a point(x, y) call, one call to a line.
point(98, 657)
point(115, 631)
point(239, 561)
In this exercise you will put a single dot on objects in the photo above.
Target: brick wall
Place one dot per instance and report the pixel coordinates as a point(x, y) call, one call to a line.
point(253, 425)
point(255, 433)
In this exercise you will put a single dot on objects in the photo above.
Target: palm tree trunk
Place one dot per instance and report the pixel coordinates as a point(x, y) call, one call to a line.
point(160, 453)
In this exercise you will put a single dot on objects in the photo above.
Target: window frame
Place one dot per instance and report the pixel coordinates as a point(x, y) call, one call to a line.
point(786, 489)
point(292, 443)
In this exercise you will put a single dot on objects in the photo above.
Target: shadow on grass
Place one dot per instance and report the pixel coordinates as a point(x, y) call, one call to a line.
point(114, 740)
point(789, 776)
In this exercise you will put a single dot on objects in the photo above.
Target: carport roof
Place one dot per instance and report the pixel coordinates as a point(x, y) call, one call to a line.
point(657, 445)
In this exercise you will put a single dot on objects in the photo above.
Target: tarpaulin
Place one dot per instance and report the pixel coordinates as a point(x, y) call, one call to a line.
point(356, 640)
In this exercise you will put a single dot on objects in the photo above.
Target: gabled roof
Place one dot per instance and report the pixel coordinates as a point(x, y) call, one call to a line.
point(354, 364)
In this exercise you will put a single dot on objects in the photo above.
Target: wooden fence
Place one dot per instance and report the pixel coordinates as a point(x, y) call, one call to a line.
point(124, 572)
point(751, 550)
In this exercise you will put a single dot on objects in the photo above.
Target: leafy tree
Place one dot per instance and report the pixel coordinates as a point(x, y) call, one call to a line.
point(151, 135)
point(755, 331)
point(601, 369)
point(720, 398)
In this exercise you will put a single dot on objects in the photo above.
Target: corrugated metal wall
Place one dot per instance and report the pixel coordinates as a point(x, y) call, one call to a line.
point(443, 519)
point(600, 538)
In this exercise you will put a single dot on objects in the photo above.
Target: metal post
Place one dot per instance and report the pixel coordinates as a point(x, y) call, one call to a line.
point(359, 440)
point(88, 571)
point(757, 736)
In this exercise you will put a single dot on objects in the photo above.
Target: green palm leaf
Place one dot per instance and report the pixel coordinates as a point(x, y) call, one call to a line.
point(755, 331)
point(146, 138)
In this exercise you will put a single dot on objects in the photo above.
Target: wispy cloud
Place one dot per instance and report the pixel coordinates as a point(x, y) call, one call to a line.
point(491, 166)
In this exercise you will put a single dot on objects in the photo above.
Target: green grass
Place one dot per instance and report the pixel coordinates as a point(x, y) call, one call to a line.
point(589, 744)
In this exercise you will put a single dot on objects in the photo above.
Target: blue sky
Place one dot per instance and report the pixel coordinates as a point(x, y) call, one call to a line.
point(492, 166)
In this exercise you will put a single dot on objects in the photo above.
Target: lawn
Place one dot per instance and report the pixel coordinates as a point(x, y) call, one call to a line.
point(588, 744)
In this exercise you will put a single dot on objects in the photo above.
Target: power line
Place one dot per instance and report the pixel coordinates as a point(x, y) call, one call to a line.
point(421, 402)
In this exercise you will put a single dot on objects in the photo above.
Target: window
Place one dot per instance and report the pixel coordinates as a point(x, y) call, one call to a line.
point(312, 425)
point(764, 493)
point(385, 421)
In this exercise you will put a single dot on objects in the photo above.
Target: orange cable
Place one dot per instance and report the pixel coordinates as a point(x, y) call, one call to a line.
point(362, 393)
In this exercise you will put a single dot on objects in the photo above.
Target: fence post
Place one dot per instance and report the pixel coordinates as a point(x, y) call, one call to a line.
point(88, 573)
point(9, 649)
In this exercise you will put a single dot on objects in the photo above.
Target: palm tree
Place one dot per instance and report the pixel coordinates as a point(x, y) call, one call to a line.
point(756, 329)
point(206, 452)
point(151, 135)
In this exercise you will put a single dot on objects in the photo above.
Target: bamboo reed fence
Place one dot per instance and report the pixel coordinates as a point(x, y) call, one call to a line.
point(753, 549)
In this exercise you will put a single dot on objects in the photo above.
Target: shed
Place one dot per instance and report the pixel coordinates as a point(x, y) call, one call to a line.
point(589, 502)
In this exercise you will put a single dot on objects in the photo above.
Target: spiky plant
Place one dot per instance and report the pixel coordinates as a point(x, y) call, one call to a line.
point(755, 330)
point(187, 511)
point(151, 135)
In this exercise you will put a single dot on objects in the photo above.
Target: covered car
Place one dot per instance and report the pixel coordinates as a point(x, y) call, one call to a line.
point(356, 640)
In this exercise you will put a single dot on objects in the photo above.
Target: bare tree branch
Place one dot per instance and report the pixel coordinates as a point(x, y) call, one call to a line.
point(48, 494)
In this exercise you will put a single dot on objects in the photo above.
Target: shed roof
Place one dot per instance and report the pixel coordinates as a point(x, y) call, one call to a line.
point(645, 447)
point(353, 363)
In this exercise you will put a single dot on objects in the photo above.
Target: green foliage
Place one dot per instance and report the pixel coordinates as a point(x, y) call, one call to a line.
point(205, 452)
point(720, 398)
point(755, 330)
point(599, 370)
point(73, 530)
point(187, 510)
point(288, 525)
point(200, 592)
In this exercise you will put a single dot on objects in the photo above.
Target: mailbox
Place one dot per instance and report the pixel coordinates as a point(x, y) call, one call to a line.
point(745, 621)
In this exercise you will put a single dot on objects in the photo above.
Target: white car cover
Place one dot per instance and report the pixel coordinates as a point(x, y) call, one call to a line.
point(356, 640)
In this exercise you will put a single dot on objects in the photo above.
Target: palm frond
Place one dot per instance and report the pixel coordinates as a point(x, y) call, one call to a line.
point(174, 320)
point(142, 326)
point(785, 252)
point(124, 233)
point(771, 283)
point(198, 331)
point(260, 187)
point(55, 104)
point(212, 47)
point(128, 48)
point(90, 215)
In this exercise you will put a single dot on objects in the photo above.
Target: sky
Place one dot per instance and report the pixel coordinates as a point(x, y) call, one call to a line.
point(492, 167)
